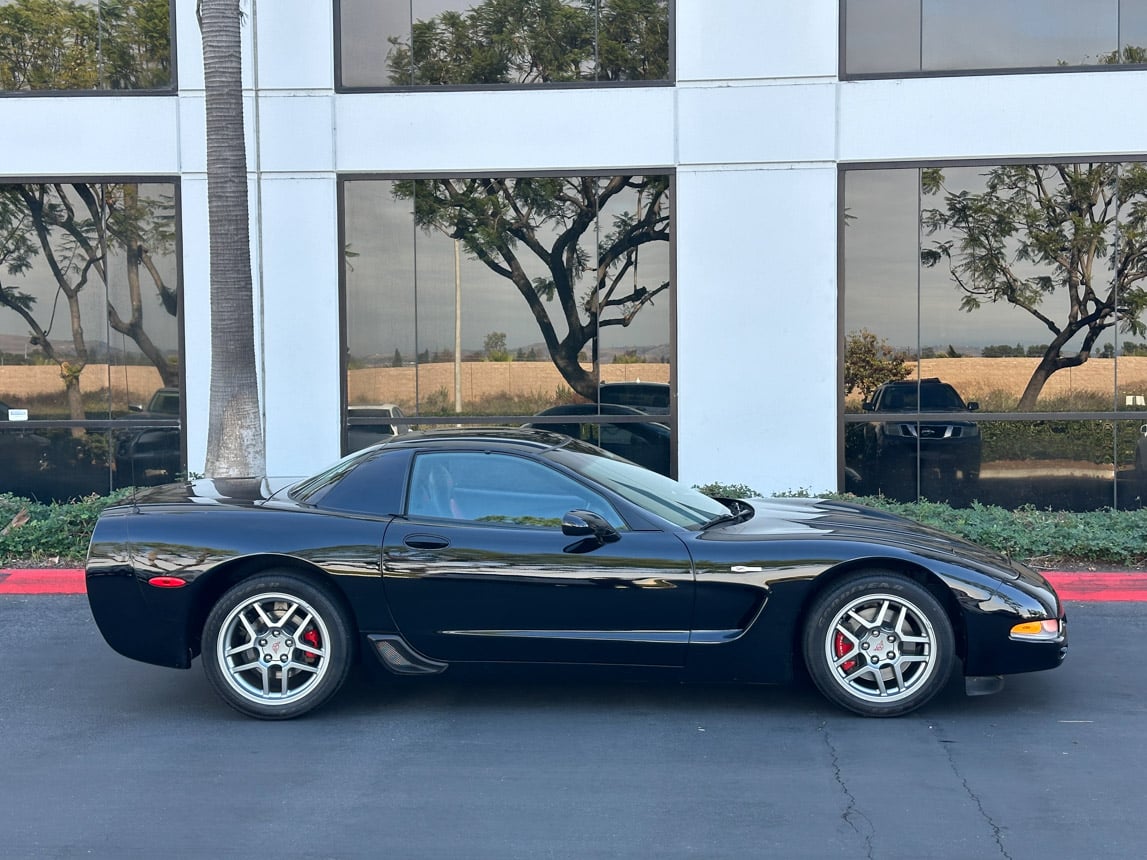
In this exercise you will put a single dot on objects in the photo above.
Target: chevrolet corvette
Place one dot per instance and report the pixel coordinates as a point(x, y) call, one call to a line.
point(453, 548)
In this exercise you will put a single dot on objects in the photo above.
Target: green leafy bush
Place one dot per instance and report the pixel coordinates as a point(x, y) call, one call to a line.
point(727, 491)
point(34, 531)
point(1037, 536)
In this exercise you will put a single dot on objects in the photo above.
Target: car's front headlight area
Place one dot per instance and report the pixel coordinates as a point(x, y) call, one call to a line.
point(1046, 630)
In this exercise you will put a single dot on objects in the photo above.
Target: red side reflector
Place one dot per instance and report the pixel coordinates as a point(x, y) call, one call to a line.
point(167, 582)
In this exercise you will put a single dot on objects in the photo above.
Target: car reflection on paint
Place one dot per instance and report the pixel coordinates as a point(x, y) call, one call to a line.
point(437, 551)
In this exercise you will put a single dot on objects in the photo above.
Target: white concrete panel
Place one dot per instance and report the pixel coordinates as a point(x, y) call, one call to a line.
point(301, 321)
point(735, 40)
point(89, 136)
point(193, 132)
point(498, 130)
point(993, 117)
point(296, 45)
point(753, 124)
point(196, 274)
point(189, 45)
point(756, 327)
point(196, 287)
point(295, 133)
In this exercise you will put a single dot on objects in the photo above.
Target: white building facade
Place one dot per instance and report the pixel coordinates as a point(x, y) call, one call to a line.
point(757, 129)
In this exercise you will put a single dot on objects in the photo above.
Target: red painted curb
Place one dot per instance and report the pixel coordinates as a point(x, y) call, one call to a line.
point(1103, 587)
point(55, 581)
point(1106, 587)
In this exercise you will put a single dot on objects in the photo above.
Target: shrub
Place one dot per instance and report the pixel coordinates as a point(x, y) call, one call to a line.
point(62, 531)
point(1033, 535)
point(36, 531)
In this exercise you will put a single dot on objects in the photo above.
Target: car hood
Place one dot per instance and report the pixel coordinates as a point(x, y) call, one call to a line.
point(824, 519)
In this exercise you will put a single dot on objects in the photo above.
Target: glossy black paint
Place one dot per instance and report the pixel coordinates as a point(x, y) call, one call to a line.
point(724, 603)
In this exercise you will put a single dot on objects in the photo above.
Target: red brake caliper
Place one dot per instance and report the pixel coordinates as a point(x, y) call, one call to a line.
point(842, 646)
point(311, 637)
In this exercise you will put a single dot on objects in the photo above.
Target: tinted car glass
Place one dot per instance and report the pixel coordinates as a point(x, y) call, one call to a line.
point(499, 488)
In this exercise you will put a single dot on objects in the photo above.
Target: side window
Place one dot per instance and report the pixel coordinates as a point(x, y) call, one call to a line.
point(499, 488)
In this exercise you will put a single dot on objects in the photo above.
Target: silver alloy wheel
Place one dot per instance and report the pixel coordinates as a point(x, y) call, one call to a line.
point(273, 648)
point(881, 648)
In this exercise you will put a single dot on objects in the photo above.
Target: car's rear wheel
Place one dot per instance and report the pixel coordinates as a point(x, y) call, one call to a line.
point(879, 645)
point(276, 646)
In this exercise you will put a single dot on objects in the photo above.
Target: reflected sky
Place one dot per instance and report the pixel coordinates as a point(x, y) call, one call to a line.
point(951, 35)
point(401, 281)
point(883, 272)
point(51, 310)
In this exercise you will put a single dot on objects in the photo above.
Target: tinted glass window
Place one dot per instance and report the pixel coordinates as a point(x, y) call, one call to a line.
point(910, 36)
point(881, 36)
point(494, 42)
point(82, 261)
point(499, 489)
point(998, 34)
point(85, 45)
point(369, 482)
point(1012, 295)
point(450, 315)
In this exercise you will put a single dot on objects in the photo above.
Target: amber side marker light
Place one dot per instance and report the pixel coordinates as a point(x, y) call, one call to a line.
point(1036, 630)
point(167, 582)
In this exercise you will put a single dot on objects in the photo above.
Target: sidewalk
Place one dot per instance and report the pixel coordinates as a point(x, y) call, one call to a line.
point(1088, 586)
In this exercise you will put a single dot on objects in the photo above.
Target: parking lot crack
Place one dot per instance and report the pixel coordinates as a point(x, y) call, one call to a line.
point(997, 831)
point(852, 814)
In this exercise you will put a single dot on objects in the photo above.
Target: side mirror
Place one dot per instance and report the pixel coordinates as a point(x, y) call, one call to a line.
point(973, 406)
point(135, 407)
point(586, 524)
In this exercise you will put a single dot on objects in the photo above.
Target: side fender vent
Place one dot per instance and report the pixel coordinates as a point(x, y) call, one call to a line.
point(396, 655)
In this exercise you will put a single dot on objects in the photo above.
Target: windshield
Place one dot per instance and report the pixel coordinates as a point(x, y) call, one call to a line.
point(661, 496)
point(933, 398)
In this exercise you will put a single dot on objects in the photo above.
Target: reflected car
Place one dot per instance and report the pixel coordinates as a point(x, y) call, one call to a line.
point(367, 425)
point(437, 552)
point(651, 398)
point(949, 449)
point(22, 456)
point(645, 443)
point(148, 456)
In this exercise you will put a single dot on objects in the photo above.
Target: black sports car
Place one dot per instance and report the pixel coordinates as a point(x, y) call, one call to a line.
point(529, 547)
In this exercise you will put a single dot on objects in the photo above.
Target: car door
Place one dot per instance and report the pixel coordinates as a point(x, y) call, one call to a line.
point(479, 569)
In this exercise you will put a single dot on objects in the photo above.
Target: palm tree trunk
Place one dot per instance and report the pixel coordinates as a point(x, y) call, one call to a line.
point(235, 435)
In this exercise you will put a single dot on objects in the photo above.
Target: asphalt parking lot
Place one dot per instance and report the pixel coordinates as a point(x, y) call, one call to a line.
point(104, 757)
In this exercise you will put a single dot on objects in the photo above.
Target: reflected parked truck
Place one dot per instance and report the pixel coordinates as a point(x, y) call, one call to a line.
point(896, 441)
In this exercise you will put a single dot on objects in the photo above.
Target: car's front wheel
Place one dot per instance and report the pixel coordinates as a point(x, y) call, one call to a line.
point(879, 645)
point(276, 646)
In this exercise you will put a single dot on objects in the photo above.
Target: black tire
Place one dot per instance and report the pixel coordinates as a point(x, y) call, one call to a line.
point(276, 646)
point(879, 645)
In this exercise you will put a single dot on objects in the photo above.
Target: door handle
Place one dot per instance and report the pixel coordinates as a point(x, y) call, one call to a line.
point(426, 542)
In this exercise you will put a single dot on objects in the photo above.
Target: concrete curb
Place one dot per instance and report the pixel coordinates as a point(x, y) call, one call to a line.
point(1083, 586)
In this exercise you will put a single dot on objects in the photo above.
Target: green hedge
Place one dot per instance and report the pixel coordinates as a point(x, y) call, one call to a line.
point(59, 533)
point(1037, 536)
point(1040, 537)
point(36, 532)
